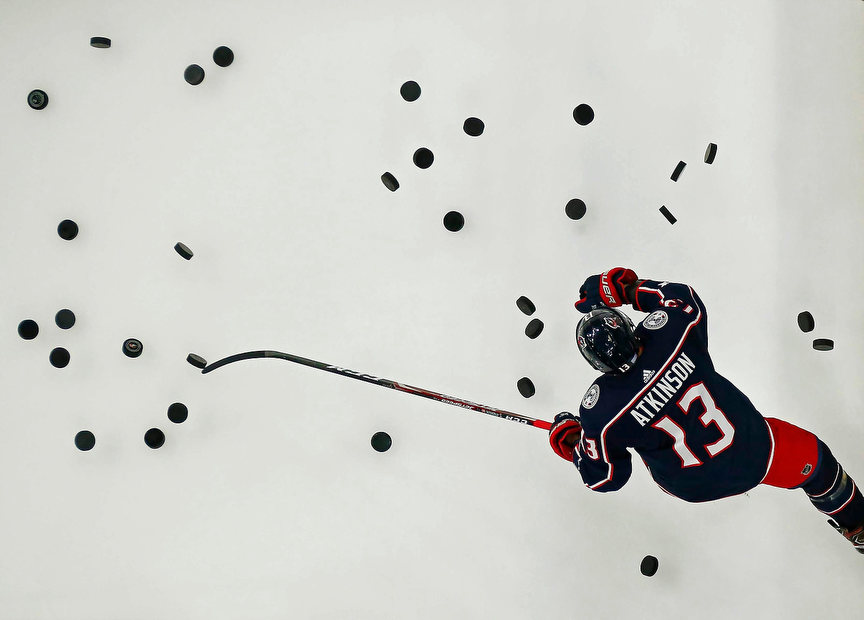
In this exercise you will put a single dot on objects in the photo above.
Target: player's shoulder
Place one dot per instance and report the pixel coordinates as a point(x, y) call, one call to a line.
point(602, 401)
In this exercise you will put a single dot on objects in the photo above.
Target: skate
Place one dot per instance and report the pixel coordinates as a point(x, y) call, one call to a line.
point(855, 536)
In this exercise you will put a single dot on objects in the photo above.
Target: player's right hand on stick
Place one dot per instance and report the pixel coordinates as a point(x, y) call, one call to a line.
point(565, 433)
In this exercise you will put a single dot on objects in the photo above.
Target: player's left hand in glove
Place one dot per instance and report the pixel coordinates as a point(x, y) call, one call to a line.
point(565, 433)
point(605, 289)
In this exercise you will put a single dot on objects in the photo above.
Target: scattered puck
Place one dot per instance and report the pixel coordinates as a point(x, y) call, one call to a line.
point(649, 565)
point(410, 91)
point(132, 347)
point(65, 319)
point(583, 114)
point(194, 74)
point(806, 322)
point(85, 440)
point(534, 328)
point(474, 126)
point(196, 360)
point(67, 229)
point(37, 99)
point(526, 387)
point(100, 42)
point(423, 158)
point(28, 329)
point(223, 56)
point(381, 441)
point(154, 438)
point(668, 215)
point(178, 412)
point(823, 344)
point(454, 221)
point(390, 181)
point(710, 153)
point(525, 305)
point(678, 170)
point(59, 358)
point(575, 209)
point(184, 251)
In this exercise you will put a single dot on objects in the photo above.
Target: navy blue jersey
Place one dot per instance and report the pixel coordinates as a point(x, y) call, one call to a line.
point(699, 436)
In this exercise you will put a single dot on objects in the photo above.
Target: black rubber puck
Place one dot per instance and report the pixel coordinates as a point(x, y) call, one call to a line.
point(525, 305)
point(196, 360)
point(583, 114)
point(454, 221)
point(823, 344)
point(575, 209)
point(649, 565)
point(28, 329)
point(534, 328)
point(37, 99)
point(381, 441)
point(59, 358)
point(526, 387)
point(710, 153)
point(194, 74)
point(65, 319)
point(154, 438)
point(223, 56)
point(178, 412)
point(423, 158)
point(183, 250)
point(678, 170)
point(410, 91)
point(806, 322)
point(474, 126)
point(390, 181)
point(132, 347)
point(85, 440)
point(67, 229)
point(100, 42)
point(667, 215)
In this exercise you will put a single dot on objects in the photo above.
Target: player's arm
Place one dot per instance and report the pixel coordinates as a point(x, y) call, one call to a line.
point(604, 465)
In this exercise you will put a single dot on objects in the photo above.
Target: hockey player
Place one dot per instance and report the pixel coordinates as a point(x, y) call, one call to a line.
point(699, 436)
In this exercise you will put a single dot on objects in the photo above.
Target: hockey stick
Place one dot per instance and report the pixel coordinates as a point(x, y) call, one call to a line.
point(465, 404)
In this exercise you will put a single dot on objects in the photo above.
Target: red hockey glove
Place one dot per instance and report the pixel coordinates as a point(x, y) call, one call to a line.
point(565, 433)
point(606, 289)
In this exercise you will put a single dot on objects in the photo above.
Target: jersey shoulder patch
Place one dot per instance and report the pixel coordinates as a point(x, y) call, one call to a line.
point(591, 397)
point(656, 320)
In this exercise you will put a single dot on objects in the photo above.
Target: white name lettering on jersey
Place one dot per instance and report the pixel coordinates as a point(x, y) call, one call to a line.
point(667, 386)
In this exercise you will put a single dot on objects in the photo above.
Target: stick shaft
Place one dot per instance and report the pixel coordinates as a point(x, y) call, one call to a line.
point(450, 400)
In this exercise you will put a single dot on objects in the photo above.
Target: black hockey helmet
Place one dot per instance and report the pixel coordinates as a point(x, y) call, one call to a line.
point(607, 339)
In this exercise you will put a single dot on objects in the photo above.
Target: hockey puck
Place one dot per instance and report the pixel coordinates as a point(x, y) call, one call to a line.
point(678, 170)
point(178, 412)
point(223, 56)
point(526, 387)
point(423, 158)
point(525, 305)
point(410, 91)
point(194, 74)
point(667, 215)
point(59, 358)
point(649, 565)
point(390, 181)
point(823, 344)
point(67, 229)
point(473, 127)
point(132, 347)
point(154, 438)
point(583, 114)
point(196, 360)
point(100, 42)
point(37, 99)
point(575, 209)
point(454, 221)
point(85, 440)
point(710, 153)
point(65, 319)
point(28, 329)
point(381, 441)
point(183, 250)
point(806, 322)
point(534, 328)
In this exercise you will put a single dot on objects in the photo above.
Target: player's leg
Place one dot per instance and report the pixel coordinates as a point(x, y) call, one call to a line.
point(801, 460)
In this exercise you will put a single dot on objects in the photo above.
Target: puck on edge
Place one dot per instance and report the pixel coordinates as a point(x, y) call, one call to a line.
point(525, 387)
point(823, 344)
point(678, 170)
point(806, 322)
point(196, 360)
point(710, 153)
point(649, 565)
point(184, 251)
point(525, 305)
point(534, 328)
point(100, 42)
point(390, 181)
point(667, 214)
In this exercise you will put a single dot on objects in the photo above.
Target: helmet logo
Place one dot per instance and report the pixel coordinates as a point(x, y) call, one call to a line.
point(581, 341)
point(611, 322)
